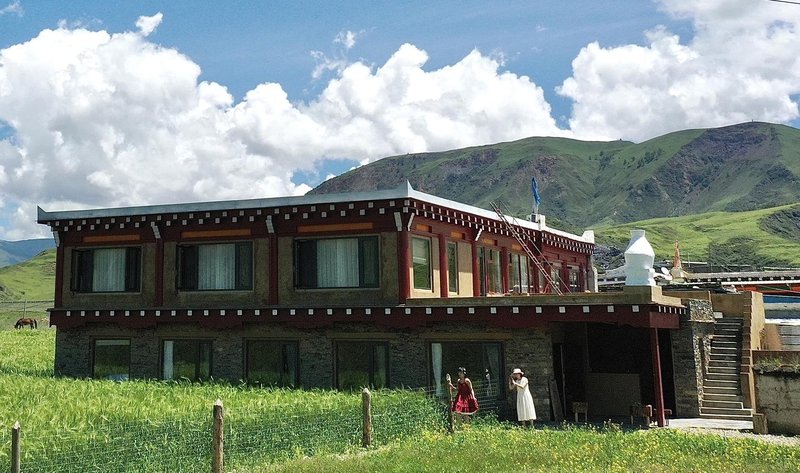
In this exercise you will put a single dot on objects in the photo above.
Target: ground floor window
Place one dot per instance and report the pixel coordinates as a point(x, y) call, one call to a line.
point(189, 359)
point(112, 359)
point(272, 362)
point(360, 364)
point(483, 361)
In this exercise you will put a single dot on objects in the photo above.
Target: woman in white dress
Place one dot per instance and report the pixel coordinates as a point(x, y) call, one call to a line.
point(526, 413)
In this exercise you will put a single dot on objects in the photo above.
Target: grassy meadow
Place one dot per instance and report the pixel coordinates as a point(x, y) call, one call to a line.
point(92, 425)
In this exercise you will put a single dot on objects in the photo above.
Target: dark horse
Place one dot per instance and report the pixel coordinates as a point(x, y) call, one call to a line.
point(23, 322)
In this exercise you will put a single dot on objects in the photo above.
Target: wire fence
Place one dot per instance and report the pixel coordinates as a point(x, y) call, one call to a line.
point(252, 438)
point(13, 310)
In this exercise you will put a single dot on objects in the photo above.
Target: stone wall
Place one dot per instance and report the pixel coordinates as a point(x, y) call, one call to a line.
point(529, 349)
point(778, 397)
point(691, 347)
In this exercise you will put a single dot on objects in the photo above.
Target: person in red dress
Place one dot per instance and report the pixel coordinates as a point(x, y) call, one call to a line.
point(465, 403)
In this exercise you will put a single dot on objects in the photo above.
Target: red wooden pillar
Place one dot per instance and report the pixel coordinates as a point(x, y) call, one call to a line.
point(476, 272)
point(59, 294)
point(659, 389)
point(159, 272)
point(444, 282)
point(272, 264)
point(504, 269)
point(403, 267)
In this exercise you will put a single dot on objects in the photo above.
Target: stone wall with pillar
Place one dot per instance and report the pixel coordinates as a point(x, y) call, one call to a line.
point(690, 353)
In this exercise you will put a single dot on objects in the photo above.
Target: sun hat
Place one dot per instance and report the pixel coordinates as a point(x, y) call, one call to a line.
point(517, 371)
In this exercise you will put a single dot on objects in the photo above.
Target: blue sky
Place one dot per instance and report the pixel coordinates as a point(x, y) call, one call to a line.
point(155, 102)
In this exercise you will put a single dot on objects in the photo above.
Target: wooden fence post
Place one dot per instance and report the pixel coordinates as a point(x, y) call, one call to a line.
point(217, 444)
point(15, 448)
point(366, 401)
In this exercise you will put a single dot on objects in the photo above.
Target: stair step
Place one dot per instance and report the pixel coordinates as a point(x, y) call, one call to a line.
point(721, 411)
point(723, 369)
point(723, 343)
point(721, 397)
point(736, 405)
point(729, 391)
point(731, 358)
point(722, 377)
point(725, 351)
point(745, 417)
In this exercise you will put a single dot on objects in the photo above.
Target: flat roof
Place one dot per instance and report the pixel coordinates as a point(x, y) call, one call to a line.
point(402, 192)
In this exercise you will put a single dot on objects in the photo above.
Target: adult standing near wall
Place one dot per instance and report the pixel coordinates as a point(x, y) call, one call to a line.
point(517, 382)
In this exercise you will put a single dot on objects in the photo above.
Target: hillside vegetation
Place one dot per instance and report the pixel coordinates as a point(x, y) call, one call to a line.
point(32, 280)
point(729, 195)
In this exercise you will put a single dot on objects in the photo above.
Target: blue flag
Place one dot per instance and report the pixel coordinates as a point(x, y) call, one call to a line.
point(537, 199)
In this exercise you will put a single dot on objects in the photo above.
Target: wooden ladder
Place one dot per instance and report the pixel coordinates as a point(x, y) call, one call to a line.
point(523, 241)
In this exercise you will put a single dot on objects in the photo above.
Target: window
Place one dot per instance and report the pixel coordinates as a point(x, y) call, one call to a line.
point(452, 267)
point(494, 282)
point(360, 364)
point(112, 359)
point(106, 270)
point(272, 362)
point(518, 271)
point(215, 267)
point(482, 361)
point(555, 276)
point(189, 359)
point(336, 263)
point(421, 263)
point(574, 280)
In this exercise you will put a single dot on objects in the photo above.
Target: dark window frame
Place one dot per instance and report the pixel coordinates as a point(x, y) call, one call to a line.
point(373, 344)
point(198, 356)
point(284, 343)
point(94, 354)
point(188, 266)
point(82, 269)
point(305, 256)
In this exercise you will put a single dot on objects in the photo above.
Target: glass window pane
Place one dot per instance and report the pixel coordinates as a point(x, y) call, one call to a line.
point(369, 261)
point(353, 365)
point(112, 359)
point(452, 267)
point(272, 362)
point(483, 362)
point(189, 359)
point(495, 281)
point(216, 267)
point(421, 262)
point(379, 366)
point(337, 262)
point(109, 270)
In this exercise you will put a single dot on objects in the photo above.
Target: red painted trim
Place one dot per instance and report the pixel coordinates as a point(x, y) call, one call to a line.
point(399, 317)
point(58, 297)
point(159, 272)
point(476, 276)
point(403, 266)
point(504, 269)
point(444, 282)
point(272, 264)
point(658, 386)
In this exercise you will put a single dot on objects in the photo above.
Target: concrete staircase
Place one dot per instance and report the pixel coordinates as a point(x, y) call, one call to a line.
point(722, 391)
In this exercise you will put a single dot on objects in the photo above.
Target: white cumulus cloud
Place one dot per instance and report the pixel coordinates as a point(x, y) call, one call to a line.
point(742, 64)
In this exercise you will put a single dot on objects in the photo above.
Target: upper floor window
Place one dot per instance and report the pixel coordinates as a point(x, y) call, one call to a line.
point(215, 267)
point(421, 263)
point(106, 270)
point(452, 266)
point(518, 271)
point(336, 262)
point(490, 271)
point(574, 280)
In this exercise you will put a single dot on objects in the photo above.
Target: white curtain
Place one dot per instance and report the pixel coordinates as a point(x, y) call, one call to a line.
point(216, 266)
point(168, 374)
point(436, 361)
point(524, 265)
point(337, 262)
point(109, 270)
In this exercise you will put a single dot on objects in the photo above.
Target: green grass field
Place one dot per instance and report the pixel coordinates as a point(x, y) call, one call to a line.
point(32, 280)
point(729, 237)
point(86, 425)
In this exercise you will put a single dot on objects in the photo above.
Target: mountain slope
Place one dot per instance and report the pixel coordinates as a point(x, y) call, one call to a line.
point(31, 280)
point(583, 184)
point(12, 252)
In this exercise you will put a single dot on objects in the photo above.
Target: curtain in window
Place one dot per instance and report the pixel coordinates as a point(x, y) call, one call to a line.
point(436, 361)
point(495, 281)
point(109, 270)
point(168, 373)
point(337, 262)
point(524, 265)
point(216, 267)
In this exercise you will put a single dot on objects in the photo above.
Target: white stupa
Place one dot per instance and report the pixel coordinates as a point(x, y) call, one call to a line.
point(639, 258)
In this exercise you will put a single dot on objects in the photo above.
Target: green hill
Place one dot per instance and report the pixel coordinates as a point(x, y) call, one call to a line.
point(741, 167)
point(32, 280)
point(768, 237)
